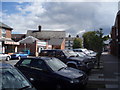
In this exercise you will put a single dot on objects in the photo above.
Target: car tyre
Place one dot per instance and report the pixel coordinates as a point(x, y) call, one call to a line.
point(7, 58)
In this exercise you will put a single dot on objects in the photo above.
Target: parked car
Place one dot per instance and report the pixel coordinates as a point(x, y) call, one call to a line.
point(19, 55)
point(50, 72)
point(4, 56)
point(69, 57)
point(13, 79)
point(92, 52)
point(81, 54)
point(85, 51)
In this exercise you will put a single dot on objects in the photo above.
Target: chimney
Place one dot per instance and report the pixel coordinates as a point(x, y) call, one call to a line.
point(39, 28)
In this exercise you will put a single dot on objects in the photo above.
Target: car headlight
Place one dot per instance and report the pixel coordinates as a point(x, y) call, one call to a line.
point(74, 81)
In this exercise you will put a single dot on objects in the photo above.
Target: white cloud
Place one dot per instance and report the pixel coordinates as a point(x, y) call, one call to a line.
point(75, 18)
point(21, 1)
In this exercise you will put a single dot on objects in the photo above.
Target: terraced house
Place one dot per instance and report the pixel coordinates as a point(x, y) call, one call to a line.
point(7, 45)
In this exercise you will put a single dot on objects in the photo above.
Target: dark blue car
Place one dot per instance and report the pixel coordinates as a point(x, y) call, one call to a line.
point(49, 72)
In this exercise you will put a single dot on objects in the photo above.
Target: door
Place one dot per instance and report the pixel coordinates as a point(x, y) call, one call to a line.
point(41, 74)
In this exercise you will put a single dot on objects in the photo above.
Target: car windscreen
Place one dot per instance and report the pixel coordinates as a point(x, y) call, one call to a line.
point(85, 51)
point(79, 54)
point(55, 64)
point(11, 79)
point(70, 53)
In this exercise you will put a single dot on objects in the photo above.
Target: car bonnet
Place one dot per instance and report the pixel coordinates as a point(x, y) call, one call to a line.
point(70, 73)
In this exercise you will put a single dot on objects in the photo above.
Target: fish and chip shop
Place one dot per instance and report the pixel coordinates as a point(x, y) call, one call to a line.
point(9, 46)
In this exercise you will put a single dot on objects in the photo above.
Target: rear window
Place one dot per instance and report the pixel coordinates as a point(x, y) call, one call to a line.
point(47, 53)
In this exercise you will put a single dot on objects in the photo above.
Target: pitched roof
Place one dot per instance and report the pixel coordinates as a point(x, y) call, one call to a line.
point(54, 41)
point(29, 39)
point(46, 34)
point(2, 25)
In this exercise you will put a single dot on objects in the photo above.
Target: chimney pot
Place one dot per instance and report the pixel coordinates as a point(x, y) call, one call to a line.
point(39, 28)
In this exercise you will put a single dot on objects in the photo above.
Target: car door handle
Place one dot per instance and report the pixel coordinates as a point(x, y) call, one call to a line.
point(32, 79)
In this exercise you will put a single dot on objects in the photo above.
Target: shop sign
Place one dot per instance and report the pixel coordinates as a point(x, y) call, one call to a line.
point(12, 43)
point(41, 43)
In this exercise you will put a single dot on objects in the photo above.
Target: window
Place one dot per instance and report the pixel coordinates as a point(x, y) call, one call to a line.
point(51, 54)
point(44, 53)
point(60, 54)
point(3, 33)
point(26, 62)
point(38, 64)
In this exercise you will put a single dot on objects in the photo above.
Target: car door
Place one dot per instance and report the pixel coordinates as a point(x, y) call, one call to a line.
point(24, 67)
point(41, 74)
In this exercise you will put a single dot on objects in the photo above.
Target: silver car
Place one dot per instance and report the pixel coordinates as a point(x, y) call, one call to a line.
point(6, 57)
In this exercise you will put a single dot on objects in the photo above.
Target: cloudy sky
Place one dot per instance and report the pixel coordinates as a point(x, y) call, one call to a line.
point(73, 17)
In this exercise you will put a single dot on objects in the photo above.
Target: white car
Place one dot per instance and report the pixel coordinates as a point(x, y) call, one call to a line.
point(6, 57)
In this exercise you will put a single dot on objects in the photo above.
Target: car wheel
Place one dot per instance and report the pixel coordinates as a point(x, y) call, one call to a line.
point(58, 87)
point(7, 58)
point(19, 57)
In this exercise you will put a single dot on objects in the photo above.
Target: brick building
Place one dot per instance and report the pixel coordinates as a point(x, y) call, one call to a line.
point(115, 36)
point(69, 42)
point(54, 38)
point(33, 44)
point(7, 45)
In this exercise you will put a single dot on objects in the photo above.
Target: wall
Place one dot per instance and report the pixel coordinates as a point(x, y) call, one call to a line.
point(115, 35)
point(31, 47)
point(8, 33)
point(63, 44)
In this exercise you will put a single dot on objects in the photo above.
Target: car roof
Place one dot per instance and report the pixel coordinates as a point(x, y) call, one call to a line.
point(5, 65)
point(57, 50)
point(37, 58)
point(53, 50)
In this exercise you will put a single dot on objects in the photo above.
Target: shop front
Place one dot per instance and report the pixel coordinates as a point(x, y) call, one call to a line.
point(41, 45)
point(0, 47)
point(9, 46)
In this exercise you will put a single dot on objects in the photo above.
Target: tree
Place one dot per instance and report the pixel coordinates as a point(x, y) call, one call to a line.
point(89, 40)
point(94, 40)
point(77, 43)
